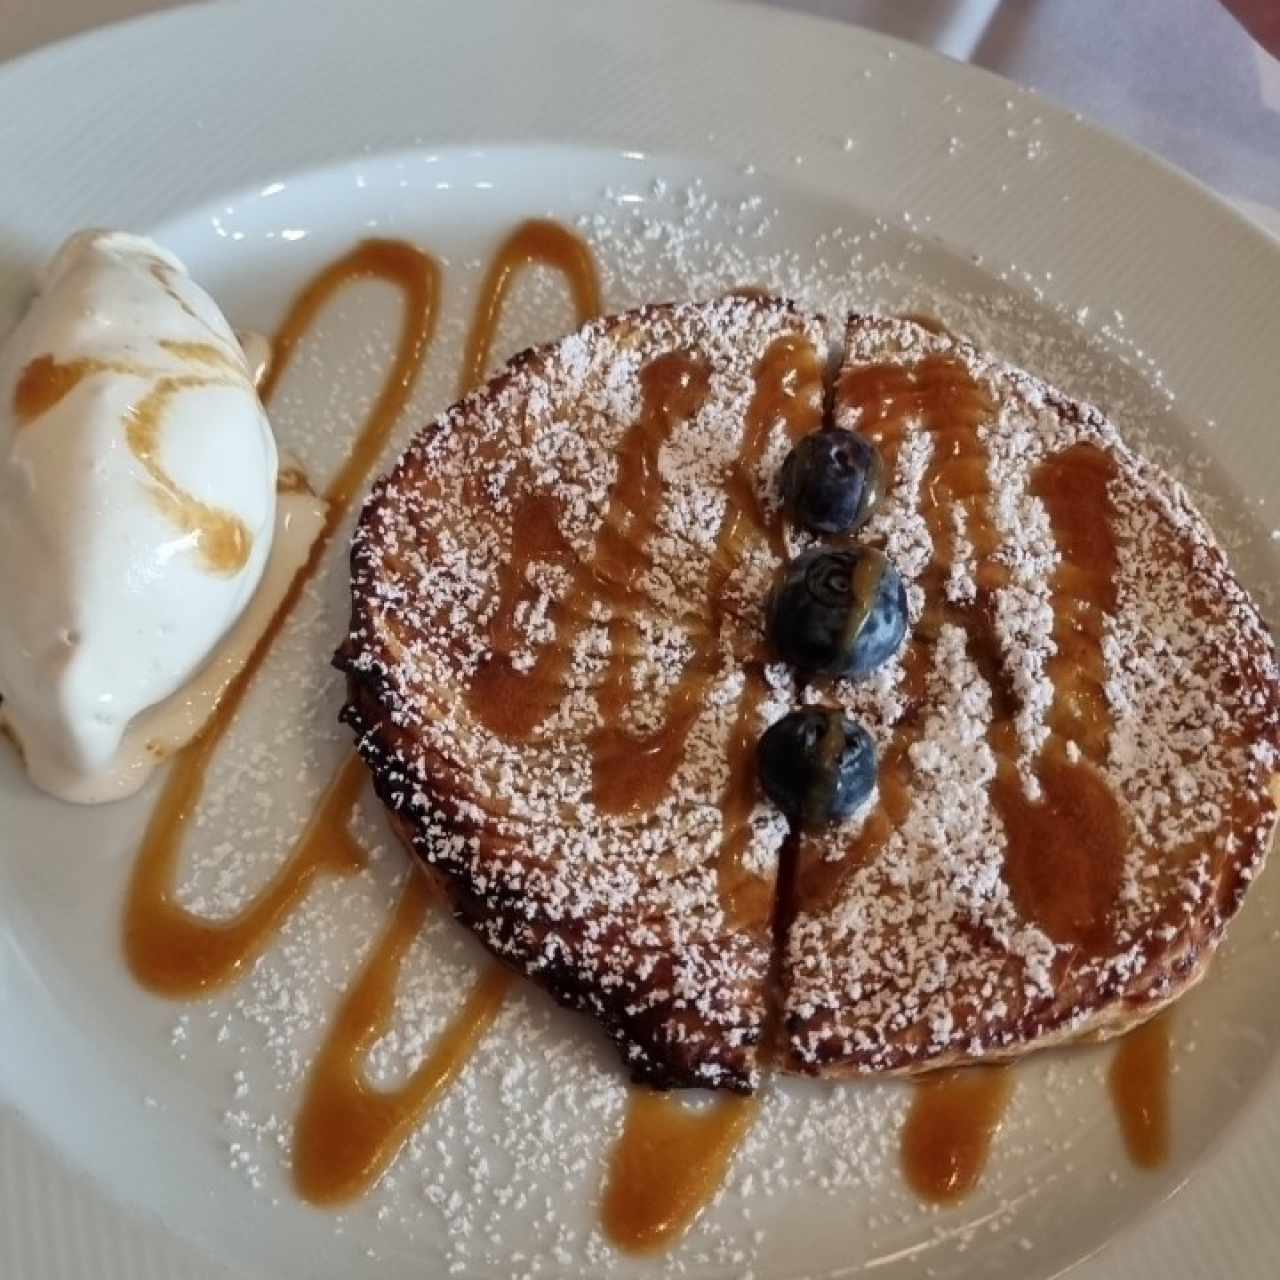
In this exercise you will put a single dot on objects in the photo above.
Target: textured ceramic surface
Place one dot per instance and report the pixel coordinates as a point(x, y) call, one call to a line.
point(698, 147)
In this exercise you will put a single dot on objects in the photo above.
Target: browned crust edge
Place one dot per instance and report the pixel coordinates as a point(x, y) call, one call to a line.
point(651, 1060)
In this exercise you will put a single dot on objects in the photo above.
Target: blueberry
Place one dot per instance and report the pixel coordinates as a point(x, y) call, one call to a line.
point(832, 480)
point(838, 613)
point(816, 765)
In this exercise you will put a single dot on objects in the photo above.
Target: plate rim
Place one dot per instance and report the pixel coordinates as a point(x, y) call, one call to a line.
point(98, 44)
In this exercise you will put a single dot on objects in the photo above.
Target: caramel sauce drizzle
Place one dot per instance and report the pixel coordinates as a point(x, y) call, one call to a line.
point(1138, 1081)
point(938, 396)
point(745, 896)
point(509, 702)
point(45, 381)
point(513, 703)
point(789, 390)
point(176, 953)
point(632, 772)
point(670, 1159)
point(204, 353)
point(347, 1133)
point(1065, 851)
point(164, 275)
point(954, 1118)
point(668, 1164)
point(954, 1115)
point(532, 242)
point(169, 949)
point(222, 540)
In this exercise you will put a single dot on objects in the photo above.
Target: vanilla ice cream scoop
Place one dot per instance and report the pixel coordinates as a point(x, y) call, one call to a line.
point(137, 500)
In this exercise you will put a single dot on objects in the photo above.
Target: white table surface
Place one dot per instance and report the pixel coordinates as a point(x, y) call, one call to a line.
point(1180, 77)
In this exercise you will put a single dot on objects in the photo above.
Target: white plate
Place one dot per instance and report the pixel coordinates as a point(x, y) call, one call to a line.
point(754, 148)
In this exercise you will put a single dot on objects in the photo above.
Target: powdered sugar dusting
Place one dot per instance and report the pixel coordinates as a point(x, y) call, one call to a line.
point(874, 956)
point(620, 915)
point(505, 1172)
point(903, 967)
